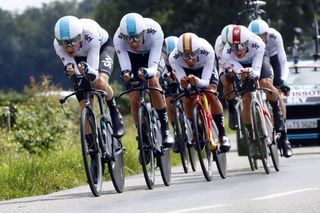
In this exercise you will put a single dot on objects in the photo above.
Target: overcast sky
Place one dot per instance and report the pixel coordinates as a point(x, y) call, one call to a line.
point(20, 5)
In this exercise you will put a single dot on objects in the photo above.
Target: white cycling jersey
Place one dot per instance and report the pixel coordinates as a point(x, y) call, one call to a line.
point(254, 55)
point(205, 61)
point(274, 46)
point(152, 44)
point(93, 38)
point(218, 48)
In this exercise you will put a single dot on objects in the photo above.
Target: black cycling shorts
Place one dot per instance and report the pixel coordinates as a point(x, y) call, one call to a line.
point(141, 60)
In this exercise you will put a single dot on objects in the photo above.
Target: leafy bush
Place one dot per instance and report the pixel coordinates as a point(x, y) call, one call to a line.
point(40, 125)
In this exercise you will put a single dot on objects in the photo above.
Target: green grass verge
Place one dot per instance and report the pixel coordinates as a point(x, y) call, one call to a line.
point(22, 174)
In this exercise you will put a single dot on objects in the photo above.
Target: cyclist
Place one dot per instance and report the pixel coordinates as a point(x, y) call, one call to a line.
point(193, 61)
point(276, 56)
point(244, 53)
point(226, 75)
point(138, 42)
point(169, 82)
point(77, 40)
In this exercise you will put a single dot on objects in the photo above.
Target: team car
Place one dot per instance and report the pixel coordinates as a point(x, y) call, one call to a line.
point(303, 103)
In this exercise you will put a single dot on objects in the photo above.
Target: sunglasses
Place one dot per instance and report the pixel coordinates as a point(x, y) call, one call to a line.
point(191, 55)
point(134, 38)
point(71, 42)
point(242, 46)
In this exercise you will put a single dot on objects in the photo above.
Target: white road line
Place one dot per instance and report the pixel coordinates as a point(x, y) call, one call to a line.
point(198, 208)
point(284, 194)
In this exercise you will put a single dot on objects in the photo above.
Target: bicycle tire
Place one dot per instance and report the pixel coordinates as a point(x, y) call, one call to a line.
point(219, 157)
point(192, 154)
point(165, 166)
point(182, 138)
point(258, 123)
point(145, 146)
point(273, 148)
point(202, 145)
point(116, 166)
point(91, 155)
point(252, 162)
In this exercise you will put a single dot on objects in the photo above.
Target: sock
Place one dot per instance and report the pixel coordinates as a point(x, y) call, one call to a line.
point(163, 117)
point(219, 120)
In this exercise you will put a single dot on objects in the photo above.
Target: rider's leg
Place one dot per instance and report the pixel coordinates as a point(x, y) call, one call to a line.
point(227, 89)
point(277, 116)
point(158, 102)
point(217, 113)
point(102, 83)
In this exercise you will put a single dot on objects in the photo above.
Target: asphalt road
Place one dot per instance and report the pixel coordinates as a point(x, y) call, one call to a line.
point(296, 188)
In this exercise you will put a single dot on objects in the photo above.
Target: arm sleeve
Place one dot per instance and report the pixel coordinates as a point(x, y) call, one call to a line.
point(180, 73)
point(121, 50)
point(208, 70)
point(282, 58)
point(258, 58)
point(93, 56)
point(156, 50)
point(64, 57)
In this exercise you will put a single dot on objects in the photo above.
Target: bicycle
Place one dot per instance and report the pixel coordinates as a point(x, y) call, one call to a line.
point(150, 147)
point(102, 147)
point(262, 126)
point(252, 9)
point(205, 133)
point(182, 130)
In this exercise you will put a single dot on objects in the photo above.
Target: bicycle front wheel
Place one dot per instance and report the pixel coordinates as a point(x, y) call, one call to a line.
point(116, 165)
point(202, 142)
point(273, 147)
point(145, 138)
point(181, 136)
point(165, 166)
point(91, 152)
point(259, 126)
point(219, 157)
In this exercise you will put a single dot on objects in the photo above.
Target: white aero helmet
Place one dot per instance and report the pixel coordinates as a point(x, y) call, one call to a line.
point(68, 31)
point(132, 26)
point(239, 37)
point(258, 27)
point(170, 43)
point(189, 45)
point(225, 31)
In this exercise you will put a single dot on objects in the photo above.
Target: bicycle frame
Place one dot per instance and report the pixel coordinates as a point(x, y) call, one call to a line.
point(202, 101)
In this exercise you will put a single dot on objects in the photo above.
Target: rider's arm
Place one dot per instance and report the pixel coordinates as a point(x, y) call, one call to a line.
point(121, 47)
point(218, 48)
point(208, 67)
point(281, 55)
point(258, 49)
point(229, 58)
point(93, 56)
point(174, 59)
point(156, 48)
point(65, 58)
